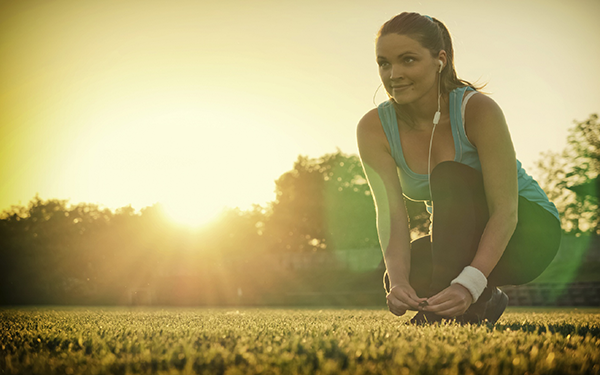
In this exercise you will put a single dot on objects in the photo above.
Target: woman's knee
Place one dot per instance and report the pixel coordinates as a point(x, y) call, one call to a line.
point(531, 249)
point(453, 184)
point(454, 173)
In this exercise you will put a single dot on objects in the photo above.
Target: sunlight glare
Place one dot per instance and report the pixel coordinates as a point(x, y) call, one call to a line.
point(192, 213)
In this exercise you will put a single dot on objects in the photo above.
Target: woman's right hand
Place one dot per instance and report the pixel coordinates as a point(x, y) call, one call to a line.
point(401, 298)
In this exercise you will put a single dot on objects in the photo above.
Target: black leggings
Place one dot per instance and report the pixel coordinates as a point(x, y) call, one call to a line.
point(459, 218)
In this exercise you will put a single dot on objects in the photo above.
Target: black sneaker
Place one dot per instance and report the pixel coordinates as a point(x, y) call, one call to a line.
point(486, 311)
point(496, 306)
point(475, 314)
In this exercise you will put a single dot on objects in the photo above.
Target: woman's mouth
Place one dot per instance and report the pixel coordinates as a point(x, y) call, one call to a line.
point(400, 88)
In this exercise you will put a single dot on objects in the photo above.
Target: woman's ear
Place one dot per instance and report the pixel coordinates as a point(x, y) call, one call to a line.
point(443, 58)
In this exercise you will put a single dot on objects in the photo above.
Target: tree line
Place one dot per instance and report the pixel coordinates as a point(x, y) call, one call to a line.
point(54, 252)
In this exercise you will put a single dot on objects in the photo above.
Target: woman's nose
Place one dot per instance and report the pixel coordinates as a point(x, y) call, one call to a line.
point(395, 72)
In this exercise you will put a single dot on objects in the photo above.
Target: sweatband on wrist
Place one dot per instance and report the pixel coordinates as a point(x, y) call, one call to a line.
point(472, 279)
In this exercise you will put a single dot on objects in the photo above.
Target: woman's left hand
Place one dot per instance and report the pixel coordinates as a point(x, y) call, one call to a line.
point(450, 302)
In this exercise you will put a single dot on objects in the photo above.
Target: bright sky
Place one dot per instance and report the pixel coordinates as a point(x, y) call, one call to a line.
point(203, 104)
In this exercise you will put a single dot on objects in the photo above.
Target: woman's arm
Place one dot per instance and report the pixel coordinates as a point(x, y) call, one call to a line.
point(488, 132)
point(490, 135)
point(392, 220)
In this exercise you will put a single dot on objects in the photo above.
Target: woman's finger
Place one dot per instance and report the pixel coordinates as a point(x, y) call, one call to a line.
point(413, 295)
point(404, 296)
point(438, 308)
point(395, 310)
point(439, 298)
point(452, 305)
point(394, 301)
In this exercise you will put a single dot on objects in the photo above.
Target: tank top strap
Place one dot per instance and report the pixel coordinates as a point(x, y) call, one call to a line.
point(457, 121)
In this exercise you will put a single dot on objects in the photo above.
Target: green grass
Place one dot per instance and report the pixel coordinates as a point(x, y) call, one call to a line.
point(281, 341)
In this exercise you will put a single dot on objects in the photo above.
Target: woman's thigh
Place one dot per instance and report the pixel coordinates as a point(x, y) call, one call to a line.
point(421, 265)
point(532, 247)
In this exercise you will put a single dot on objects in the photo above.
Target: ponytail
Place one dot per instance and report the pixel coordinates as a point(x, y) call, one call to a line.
point(450, 80)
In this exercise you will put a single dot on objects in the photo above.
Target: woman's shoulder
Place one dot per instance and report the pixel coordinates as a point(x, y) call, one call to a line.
point(370, 122)
point(482, 115)
point(374, 119)
point(370, 133)
point(481, 105)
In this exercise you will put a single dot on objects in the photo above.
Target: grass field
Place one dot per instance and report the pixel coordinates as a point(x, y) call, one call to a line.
point(285, 341)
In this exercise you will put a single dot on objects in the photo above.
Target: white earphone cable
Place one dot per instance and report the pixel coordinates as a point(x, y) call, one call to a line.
point(436, 120)
point(375, 94)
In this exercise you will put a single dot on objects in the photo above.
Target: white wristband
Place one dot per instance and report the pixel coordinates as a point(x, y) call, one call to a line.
point(472, 279)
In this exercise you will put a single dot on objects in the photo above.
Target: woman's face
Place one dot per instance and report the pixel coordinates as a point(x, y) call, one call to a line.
point(407, 69)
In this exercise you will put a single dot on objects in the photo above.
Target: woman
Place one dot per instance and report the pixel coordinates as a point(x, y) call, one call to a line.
point(441, 141)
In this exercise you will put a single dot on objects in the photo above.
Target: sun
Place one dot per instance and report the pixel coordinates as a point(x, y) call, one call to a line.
point(186, 211)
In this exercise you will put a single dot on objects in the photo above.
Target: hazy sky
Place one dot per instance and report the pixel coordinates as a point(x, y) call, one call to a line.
point(201, 104)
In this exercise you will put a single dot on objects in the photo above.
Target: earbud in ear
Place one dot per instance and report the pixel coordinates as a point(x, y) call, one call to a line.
point(441, 66)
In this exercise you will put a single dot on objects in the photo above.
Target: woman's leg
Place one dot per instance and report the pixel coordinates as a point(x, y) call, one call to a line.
point(532, 247)
point(460, 213)
point(459, 218)
point(420, 267)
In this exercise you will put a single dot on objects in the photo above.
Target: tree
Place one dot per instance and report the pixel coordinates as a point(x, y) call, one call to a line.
point(326, 203)
point(571, 178)
point(43, 252)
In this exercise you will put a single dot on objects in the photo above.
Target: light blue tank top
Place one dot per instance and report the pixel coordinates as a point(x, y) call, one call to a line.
point(415, 186)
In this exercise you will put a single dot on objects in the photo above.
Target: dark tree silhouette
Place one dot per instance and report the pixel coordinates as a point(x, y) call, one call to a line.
point(325, 203)
point(53, 252)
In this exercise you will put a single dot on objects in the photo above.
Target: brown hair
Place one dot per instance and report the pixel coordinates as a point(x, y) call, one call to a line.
point(433, 35)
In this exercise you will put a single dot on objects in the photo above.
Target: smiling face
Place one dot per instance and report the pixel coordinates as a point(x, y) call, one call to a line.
point(407, 69)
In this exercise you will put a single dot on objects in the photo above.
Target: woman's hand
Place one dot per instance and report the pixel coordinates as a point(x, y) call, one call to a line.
point(450, 302)
point(402, 298)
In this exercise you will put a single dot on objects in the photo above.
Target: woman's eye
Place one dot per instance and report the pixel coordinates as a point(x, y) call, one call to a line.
point(409, 59)
point(382, 64)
